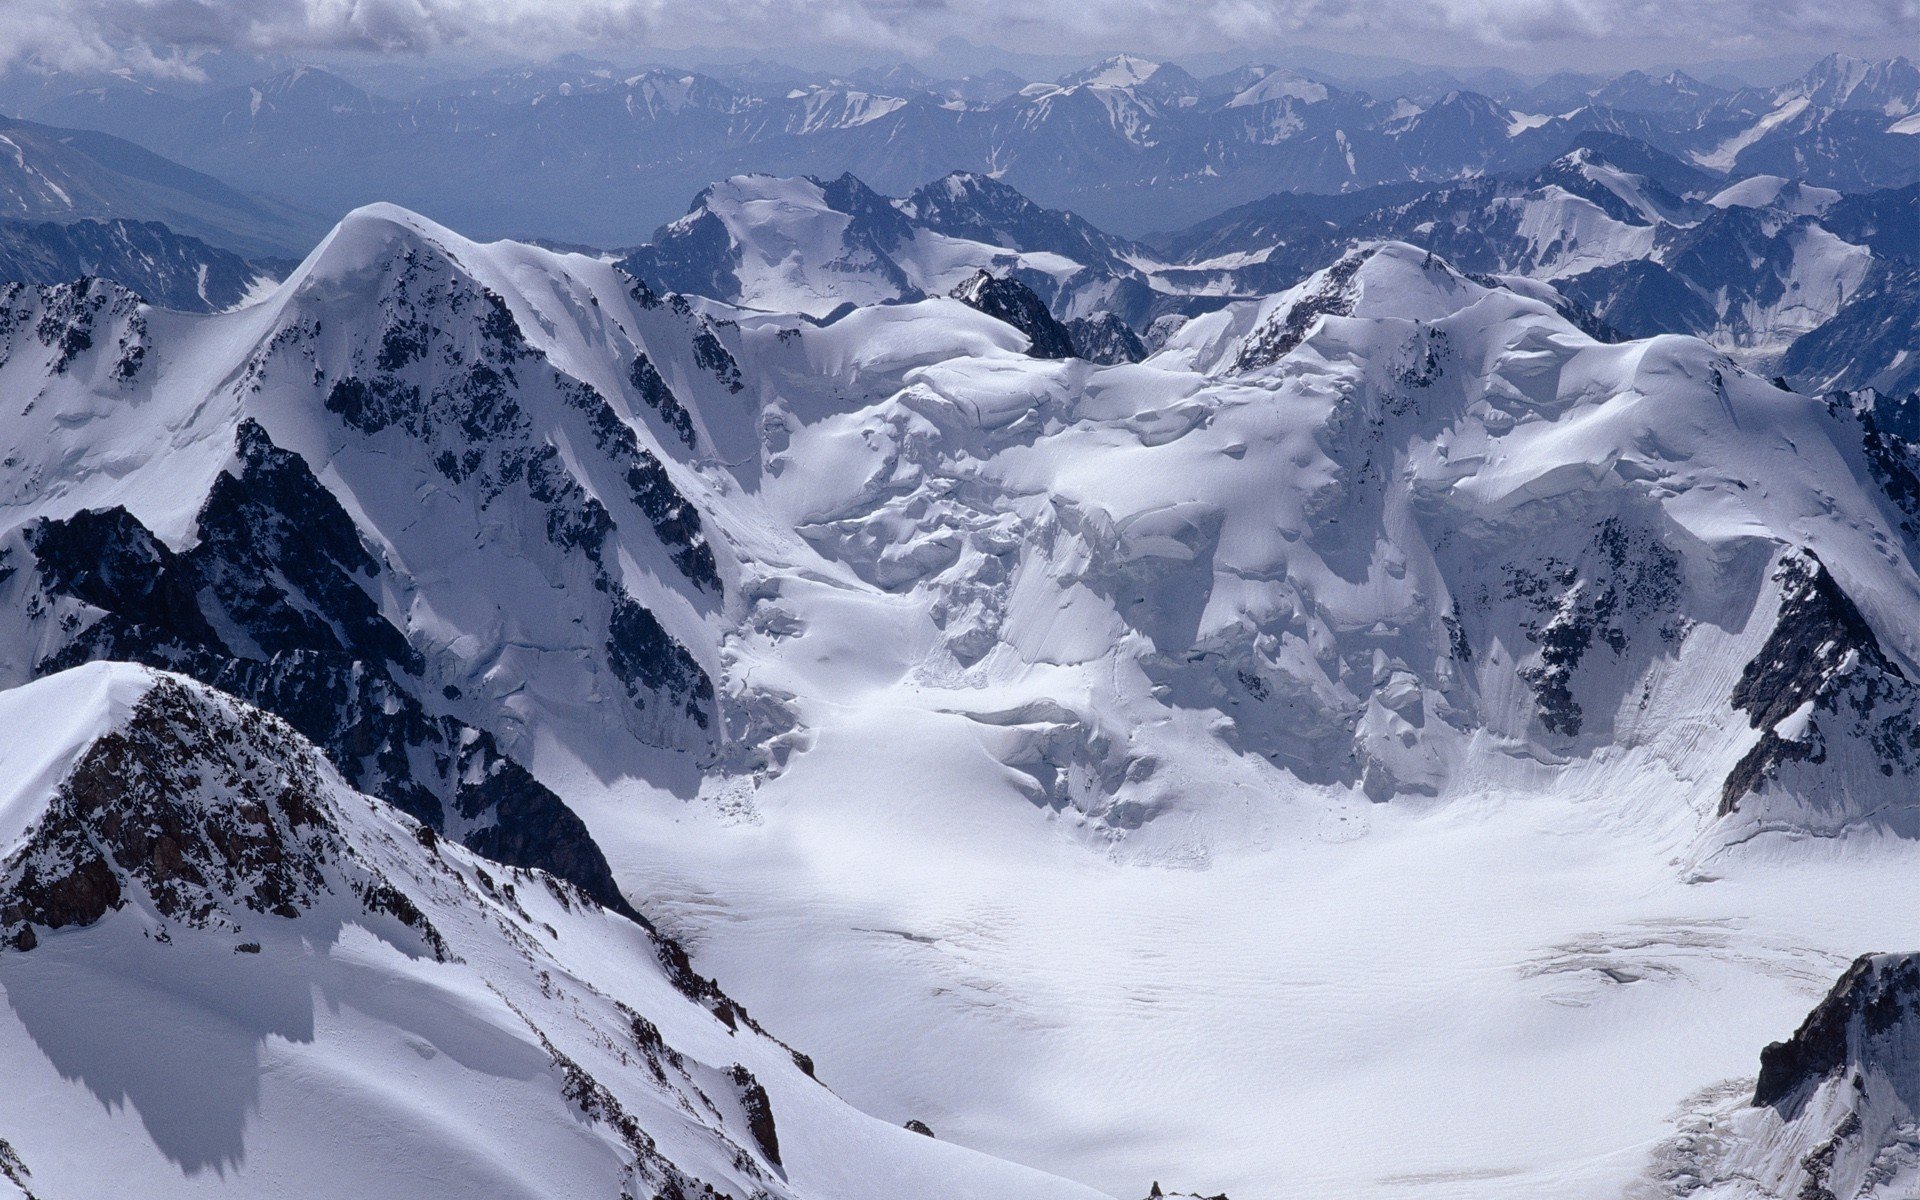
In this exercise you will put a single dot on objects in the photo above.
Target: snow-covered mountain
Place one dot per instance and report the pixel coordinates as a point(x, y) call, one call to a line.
point(228, 973)
point(1633, 236)
point(1384, 682)
point(533, 558)
point(1834, 1111)
point(814, 247)
point(1847, 123)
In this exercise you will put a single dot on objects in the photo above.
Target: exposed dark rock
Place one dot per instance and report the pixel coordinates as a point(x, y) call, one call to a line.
point(1877, 996)
point(1872, 341)
point(1822, 654)
point(1624, 576)
point(714, 357)
point(145, 257)
point(14, 1170)
point(1105, 339)
point(650, 662)
point(279, 562)
point(920, 1127)
point(659, 397)
point(1890, 441)
point(1014, 302)
point(532, 827)
point(199, 806)
point(759, 1110)
point(1283, 331)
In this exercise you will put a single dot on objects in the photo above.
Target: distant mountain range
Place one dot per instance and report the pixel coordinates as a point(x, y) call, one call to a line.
point(581, 151)
point(1638, 241)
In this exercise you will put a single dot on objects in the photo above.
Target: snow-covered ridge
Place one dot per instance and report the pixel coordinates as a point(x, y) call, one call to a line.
point(211, 880)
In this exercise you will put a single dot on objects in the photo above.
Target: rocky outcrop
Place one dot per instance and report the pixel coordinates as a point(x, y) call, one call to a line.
point(1105, 339)
point(279, 567)
point(1833, 1115)
point(1011, 301)
point(199, 809)
point(145, 257)
point(1875, 1002)
point(1821, 684)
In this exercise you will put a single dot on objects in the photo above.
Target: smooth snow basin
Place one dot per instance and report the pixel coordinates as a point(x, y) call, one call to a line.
point(1506, 998)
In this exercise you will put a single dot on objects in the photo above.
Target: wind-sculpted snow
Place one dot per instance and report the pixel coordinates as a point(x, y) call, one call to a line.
point(273, 980)
point(1351, 532)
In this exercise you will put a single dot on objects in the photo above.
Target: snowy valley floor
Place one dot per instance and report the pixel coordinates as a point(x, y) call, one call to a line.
point(1508, 998)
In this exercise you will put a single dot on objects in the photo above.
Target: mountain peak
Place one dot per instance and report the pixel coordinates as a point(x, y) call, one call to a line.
point(1116, 71)
point(181, 800)
point(1280, 84)
point(1392, 280)
point(370, 238)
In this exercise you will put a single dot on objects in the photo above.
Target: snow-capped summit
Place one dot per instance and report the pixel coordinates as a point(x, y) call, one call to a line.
point(1639, 91)
point(784, 244)
point(1890, 87)
point(1118, 71)
point(1280, 84)
point(1771, 191)
point(349, 504)
point(1392, 280)
point(804, 245)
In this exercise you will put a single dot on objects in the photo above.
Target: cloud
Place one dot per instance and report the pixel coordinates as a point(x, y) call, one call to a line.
point(159, 36)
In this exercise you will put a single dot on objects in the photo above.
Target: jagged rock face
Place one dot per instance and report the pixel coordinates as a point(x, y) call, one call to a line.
point(145, 257)
point(1868, 1022)
point(1105, 339)
point(1870, 342)
point(1835, 1111)
point(198, 809)
point(1285, 329)
point(278, 564)
point(1013, 302)
point(542, 515)
point(15, 1171)
point(69, 319)
point(1828, 702)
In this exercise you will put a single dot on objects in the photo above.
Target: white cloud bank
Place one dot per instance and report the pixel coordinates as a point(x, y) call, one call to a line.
point(151, 35)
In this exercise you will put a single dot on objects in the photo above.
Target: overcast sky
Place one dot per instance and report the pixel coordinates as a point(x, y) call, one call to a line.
point(1529, 35)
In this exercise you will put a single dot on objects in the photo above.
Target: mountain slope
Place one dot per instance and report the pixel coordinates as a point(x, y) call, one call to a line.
point(146, 257)
point(66, 175)
point(1835, 1110)
point(402, 616)
point(1753, 269)
point(228, 974)
point(809, 246)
